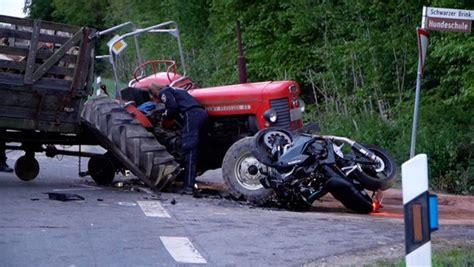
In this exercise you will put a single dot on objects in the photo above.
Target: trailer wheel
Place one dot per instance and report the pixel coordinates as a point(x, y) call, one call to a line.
point(26, 167)
point(130, 143)
point(101, 169)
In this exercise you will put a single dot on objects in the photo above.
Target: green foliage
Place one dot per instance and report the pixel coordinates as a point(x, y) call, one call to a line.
point(40, 9)
point(451, 65)
point(80, 12)
point(356, 62)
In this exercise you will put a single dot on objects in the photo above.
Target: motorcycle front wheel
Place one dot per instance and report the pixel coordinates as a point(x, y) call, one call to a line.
point(265, 142)
point(379, 176)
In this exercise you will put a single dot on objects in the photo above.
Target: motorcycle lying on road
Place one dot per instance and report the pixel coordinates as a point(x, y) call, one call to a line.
point(300, 168)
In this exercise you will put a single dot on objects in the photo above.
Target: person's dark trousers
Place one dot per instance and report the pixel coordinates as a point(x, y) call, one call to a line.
point(194, 119)
point(3, 156)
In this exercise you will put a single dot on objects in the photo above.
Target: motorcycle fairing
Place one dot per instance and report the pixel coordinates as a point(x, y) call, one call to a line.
point(295, 154)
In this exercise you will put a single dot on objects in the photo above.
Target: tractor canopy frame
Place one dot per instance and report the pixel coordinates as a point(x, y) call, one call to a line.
point(169, 27)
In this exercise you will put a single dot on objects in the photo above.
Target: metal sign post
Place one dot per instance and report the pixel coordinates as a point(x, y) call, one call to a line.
point(437, 19)
point(423, 41)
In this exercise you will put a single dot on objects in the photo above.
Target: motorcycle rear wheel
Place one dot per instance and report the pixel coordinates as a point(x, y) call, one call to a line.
point(373, 179)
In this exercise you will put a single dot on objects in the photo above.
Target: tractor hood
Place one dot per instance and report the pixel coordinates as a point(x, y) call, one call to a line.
point(243, 93)
point(228, 94)
point(241, 99)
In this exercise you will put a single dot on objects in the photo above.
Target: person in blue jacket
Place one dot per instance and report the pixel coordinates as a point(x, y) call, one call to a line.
point(178, 102)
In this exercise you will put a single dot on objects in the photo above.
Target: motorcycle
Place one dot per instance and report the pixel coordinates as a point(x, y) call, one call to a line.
point(302, 167)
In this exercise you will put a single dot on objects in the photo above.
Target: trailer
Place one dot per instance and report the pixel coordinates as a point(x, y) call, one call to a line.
point(46, 78)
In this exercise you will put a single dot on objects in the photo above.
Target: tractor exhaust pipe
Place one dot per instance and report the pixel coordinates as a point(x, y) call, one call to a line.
point(241, 58)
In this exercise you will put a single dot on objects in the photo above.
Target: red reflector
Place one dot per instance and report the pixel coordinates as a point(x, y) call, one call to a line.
point(417, 223)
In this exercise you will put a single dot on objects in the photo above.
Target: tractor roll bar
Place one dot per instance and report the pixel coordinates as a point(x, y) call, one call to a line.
point(112, 29)
point(158, 28)
point(115, 28)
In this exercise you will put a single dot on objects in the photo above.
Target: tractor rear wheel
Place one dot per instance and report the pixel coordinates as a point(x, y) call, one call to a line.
point(130, 143)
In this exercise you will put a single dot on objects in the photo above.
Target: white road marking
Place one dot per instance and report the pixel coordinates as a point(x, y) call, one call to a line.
point(153, 209)
point(128, 204)
point(182, 250)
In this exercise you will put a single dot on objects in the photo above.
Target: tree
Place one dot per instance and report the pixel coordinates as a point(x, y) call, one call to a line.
point(89, 13)
point(40, 9)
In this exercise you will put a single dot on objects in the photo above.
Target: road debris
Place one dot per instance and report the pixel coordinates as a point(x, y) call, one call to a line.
point(132, 185)
point(153, 197)
point(64, 196)
point(141, 189)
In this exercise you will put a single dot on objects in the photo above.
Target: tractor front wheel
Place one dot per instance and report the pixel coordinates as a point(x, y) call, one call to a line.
point(241, 173)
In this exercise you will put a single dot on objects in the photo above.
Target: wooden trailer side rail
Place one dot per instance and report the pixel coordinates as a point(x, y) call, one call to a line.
point(45, 74)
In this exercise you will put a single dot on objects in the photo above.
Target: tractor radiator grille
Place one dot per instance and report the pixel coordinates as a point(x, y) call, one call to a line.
point(283, 110)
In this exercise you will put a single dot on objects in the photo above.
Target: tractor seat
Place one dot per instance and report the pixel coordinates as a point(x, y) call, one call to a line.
point(139, 96)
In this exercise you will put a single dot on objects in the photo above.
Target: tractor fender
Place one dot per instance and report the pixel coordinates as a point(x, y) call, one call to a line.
point(139, 116)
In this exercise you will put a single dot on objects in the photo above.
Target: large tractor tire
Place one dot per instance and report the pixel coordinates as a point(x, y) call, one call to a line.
point(130, 143)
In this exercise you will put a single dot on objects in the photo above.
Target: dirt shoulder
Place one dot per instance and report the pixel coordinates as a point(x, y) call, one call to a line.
point(453, 209)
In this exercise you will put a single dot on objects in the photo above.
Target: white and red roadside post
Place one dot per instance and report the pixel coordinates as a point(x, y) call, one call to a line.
point(421, 211)
point(421, 207)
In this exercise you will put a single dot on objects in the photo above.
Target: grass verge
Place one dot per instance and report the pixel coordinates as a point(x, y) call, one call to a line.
point(462, 256)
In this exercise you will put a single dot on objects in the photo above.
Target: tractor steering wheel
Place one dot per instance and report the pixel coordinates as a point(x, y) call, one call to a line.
point(170, 67)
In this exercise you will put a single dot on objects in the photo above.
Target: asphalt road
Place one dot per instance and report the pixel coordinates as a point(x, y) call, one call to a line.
point(129, 226)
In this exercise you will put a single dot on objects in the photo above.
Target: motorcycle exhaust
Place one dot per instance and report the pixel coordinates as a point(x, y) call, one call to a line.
point(367, 153)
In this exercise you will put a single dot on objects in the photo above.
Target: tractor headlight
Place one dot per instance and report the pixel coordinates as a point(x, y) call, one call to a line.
point(293, 89)
point(270, 115)
point(302, 105)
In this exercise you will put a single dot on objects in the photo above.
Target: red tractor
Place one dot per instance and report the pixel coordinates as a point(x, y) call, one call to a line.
point(235, 113)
